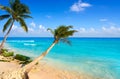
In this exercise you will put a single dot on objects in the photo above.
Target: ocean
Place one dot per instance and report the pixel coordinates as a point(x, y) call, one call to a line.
point(98, 57)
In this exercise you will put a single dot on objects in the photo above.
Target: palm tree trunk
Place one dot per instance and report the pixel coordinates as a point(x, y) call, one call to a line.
point(28, 67)
point(6, 35)
point(22, 73)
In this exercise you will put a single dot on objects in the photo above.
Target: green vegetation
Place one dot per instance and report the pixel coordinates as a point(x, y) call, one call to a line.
point(60, 34)
point(26, 62)
point(21, 57)
point(5, 53)
point(15, 12)
point(3, 50)
point(8, 54)
point(4, 60)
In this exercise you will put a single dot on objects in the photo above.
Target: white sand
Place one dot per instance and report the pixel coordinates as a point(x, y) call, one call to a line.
point(44, 71)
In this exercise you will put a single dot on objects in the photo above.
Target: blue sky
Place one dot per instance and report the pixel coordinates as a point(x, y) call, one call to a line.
point(91, 18)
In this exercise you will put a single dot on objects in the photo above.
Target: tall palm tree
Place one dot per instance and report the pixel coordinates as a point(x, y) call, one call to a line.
point(17, 11)
point(60, 34)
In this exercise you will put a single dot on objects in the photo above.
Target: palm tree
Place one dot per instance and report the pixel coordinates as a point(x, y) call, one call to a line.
point(15, 12)
point(60, 34)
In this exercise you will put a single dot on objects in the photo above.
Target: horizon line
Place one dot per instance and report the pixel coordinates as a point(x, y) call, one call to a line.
point(68, 37)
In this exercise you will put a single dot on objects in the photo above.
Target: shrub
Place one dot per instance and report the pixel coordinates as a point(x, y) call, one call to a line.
point(26, 62)
point(21, 57)
point(7, 54)
point(4, 60)
point(4, 50)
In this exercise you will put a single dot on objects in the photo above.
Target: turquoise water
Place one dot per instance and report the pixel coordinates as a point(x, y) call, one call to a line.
point(98, 57)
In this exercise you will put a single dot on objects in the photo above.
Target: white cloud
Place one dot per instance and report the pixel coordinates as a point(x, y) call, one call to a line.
point(14, 27)
point(30, 29)
point(32, 24)
point(40, 31)
point(111, 31)
point(82, 30)
point(42, 28)
point(103, 20)
point(104, 29)
point(92, 29)
point(17, 28)
point(79, 6)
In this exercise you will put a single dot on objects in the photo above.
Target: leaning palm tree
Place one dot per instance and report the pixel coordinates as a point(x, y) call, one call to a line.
point(15, 12)
point(60, 34)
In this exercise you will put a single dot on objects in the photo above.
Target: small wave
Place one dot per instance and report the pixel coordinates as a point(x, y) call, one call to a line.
point(27, 44)
point(21, 41)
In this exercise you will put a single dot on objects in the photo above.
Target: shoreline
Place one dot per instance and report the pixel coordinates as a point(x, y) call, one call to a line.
point(54, 69)
point(57, 69)
point(44, 71)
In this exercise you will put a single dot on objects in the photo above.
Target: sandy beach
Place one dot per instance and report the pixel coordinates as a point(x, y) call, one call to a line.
point(44, 71)
point(59, 39)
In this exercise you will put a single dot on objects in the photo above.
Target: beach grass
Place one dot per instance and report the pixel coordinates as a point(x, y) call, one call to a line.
point(10, 56)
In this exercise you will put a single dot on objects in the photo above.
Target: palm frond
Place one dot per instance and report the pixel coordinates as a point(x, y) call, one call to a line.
point(25, 9)
point(23, 24)
point(49, 29)
point(14, 4)
point(4, 16)
point(11, 2)
point(69, 33)
point(6, 9)
point(19, 8)
point(63, 32)
point(25, 16)
point(7, 24)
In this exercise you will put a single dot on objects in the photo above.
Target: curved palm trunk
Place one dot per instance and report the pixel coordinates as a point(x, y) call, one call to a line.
point(22, 73)
point(28, 67)
point(6, 35)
